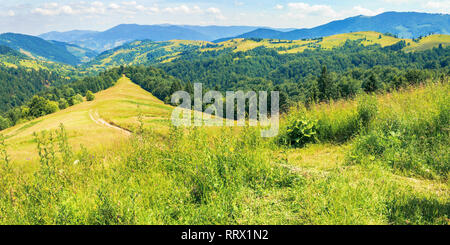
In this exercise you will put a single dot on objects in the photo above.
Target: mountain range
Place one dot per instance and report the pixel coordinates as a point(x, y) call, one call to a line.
point(121, 34)
point(39, 48)
point(81, 46)
point(401, 24)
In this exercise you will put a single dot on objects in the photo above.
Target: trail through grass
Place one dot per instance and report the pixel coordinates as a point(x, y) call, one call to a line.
point(170, 175)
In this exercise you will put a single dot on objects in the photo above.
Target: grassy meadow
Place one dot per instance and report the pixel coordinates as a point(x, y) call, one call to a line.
point(380, 159)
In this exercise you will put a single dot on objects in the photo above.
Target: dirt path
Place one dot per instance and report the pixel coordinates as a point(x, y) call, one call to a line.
point(102, 122)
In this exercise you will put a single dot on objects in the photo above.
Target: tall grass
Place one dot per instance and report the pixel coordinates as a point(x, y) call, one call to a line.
point(191, 176)
point(410, 134)
point(407, 131)
point(335, 122)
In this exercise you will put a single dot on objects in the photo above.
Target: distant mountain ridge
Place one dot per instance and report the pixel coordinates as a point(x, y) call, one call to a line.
point(69, 36)
point(402, 24)
point(124, 33)
point(48, 50)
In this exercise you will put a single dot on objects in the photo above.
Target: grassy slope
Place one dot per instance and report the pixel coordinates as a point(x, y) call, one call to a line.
point(408, 105)
point(141, 52)
point(16, 62)
point(342, 187)
point(296, 46)
point(118, 105)
point(223, 178)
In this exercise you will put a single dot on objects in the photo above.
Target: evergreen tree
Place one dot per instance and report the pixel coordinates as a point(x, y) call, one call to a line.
point(325, 84)
point(372, 84)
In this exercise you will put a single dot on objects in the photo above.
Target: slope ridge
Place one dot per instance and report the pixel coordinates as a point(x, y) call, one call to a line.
point(119, 105)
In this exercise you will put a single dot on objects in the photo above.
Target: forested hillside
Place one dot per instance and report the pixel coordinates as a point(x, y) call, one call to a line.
point(21, 77)
point(149, 53)
point(313, 75)
point(38, 48)
point(143, 52)
point(325, 69)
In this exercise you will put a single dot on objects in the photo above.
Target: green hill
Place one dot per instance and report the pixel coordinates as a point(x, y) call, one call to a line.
point(117, 105)
point(38, 48)
point(21, 77)
point(149, 52)
point(143, 52)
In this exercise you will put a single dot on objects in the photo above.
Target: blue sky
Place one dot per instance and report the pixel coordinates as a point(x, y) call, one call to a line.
point(39, 16)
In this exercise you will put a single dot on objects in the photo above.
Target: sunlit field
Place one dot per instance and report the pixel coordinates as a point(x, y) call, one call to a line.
point(375, 159)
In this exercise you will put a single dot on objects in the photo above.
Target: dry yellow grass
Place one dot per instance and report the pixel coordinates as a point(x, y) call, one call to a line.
point(429, 42)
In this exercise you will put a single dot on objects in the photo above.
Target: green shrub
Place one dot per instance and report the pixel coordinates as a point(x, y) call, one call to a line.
point(76, 99)
point(4, 123)
point(300, 132)
point(63, 104)
point(40, 106)
point(90, 96)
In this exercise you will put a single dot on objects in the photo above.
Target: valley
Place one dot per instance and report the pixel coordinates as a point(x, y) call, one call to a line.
point(87, 137)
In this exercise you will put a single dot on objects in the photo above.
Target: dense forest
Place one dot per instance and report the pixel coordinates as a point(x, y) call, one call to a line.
point(19, 84)
point(49, 99)
point(314, 75)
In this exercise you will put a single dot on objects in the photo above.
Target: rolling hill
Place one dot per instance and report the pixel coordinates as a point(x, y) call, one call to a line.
point(144, 52)
point(121, 34)
point(21, 77)
point(149, 52)
point(90, 123)
point(403, 24)
point(39, 48)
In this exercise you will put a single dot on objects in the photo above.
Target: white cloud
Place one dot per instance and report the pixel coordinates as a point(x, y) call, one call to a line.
point(358, 10)
point(216, 12)
point(133, 3)
point(398, 1)
point(51, 9)
point(184, 9)
point(114, 6)
point(279, 7)
point(438, 5)
point(97, 7)
point(97, 4)
point(302, 10)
